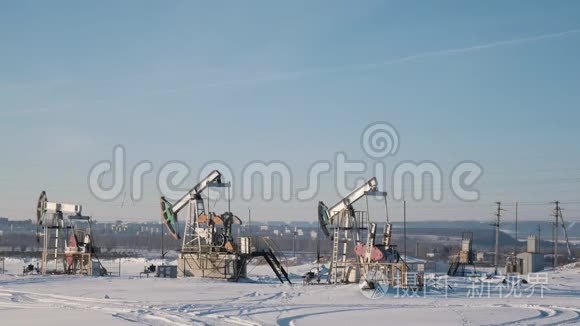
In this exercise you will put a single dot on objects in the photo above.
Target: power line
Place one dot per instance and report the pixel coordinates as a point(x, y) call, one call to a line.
point(498, 217)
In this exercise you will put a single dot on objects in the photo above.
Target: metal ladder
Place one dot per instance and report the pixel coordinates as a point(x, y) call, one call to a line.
point(52, 243)
point(334, 265)
point(270, 257)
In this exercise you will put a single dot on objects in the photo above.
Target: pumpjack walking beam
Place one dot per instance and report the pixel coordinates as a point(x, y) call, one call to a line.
point(327, 215)
point(169, 211)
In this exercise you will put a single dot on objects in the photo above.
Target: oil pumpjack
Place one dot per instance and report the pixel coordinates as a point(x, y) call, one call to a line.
point(355, 255)
point(208, 247)
point(67, 242)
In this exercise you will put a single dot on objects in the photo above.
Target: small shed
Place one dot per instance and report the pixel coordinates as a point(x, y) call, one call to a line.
point(530, 262)
point(167, 271)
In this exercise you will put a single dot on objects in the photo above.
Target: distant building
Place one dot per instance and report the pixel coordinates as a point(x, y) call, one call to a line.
point(119, 226)
point(527, 262)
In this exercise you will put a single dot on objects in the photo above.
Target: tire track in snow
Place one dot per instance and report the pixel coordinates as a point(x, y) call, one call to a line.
point(127, 310)
point(547, 314)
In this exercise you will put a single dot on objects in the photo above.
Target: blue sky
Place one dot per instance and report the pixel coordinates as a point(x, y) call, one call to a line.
point(494, 82)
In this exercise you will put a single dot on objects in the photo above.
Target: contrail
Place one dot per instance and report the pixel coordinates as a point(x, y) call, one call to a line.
point(377, 65)
point(413, 57)
point(481, 47)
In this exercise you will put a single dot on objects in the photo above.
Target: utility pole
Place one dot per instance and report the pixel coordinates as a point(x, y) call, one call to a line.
point(318, 247)
point(556, 216)
point(496, 256)
point(249, 222)
point(229, 200)
point(517, 241)
point(405, 228)
point(162, 228)
point(162, 244)
point(294, 242)
point(570, 254)
point(417, 249)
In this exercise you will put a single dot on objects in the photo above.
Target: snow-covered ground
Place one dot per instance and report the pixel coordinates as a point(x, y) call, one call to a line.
point(262, 300)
